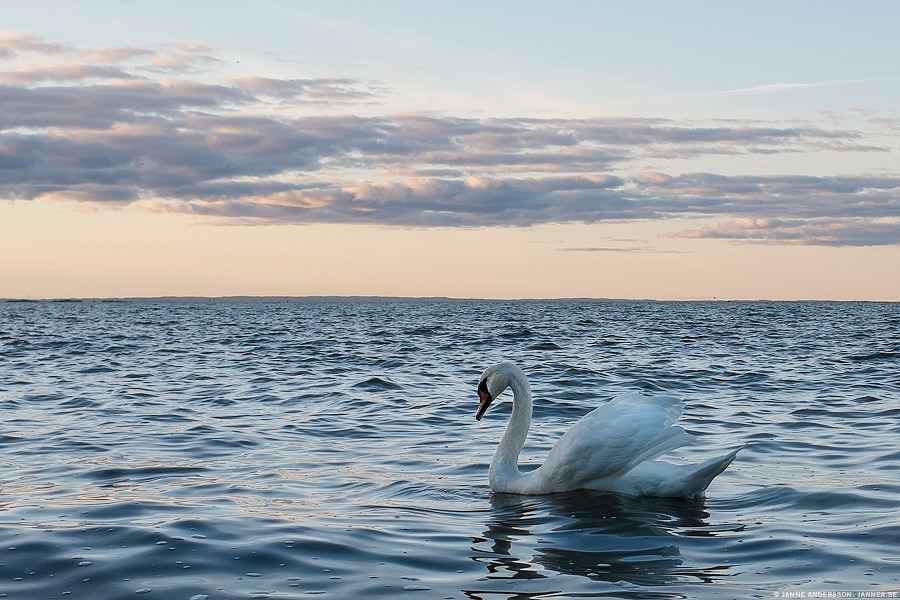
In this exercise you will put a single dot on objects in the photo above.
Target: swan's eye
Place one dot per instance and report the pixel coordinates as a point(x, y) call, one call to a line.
point(482, 387)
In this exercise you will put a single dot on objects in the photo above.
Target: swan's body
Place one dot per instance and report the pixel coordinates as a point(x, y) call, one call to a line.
point(610, 449)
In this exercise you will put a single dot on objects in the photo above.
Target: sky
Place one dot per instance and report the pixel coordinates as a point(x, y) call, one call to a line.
point(509, 149)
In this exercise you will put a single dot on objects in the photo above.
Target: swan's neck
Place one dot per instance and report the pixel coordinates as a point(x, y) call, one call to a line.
point(504, 466)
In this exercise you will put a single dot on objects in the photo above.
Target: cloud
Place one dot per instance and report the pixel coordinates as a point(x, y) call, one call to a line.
point(771, 88)
point(620, 250)
point(133, 125)
point(816, 231)
point(63, 73)
point(328, 89)
point(12, 43)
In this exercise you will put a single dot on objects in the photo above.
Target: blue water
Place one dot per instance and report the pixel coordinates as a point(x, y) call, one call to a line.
point(294, 450)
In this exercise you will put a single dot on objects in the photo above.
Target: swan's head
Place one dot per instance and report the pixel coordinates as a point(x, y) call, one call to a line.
point(494, 382)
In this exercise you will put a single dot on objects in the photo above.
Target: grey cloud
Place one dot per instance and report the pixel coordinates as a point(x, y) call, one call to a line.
point(776, 196)
point(326, 89)
point(105, 105)
point(427, 203)
point(13, 43)
point(179, 57)
point(846, 231)
point(107, 132)
point(73, 72)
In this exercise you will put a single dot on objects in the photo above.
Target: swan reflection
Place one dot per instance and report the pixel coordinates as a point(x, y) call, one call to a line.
point(603, 537)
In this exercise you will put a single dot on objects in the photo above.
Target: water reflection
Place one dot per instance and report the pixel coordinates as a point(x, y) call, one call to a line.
point(603, 537)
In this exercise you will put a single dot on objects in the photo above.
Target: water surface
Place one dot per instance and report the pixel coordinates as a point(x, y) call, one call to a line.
point(289, 450)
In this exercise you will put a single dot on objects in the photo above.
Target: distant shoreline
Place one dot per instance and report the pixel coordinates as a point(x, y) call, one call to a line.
point(301, 299)
point(373, 300)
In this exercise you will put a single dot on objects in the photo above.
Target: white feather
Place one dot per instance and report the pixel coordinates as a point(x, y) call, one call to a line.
point(613, 448)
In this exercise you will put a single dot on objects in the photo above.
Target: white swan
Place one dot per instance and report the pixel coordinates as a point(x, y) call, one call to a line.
point(610, 449)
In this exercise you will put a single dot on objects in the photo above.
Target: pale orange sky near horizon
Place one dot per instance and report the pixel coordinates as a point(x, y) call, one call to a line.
point(409, 149)
point(82, 254)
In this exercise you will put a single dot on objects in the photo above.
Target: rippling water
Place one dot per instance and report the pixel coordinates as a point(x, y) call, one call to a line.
point(226, 450)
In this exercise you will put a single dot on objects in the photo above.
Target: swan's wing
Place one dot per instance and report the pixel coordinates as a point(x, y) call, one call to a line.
point(613, 438)
point(673, 407)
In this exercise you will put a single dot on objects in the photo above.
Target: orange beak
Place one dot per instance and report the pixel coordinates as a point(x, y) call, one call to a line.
point(484, 400)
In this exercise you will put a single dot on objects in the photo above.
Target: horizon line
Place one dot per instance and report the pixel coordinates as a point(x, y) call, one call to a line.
point(288, 299)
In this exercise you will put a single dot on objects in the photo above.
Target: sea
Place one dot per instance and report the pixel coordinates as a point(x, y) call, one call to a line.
point(218, 449)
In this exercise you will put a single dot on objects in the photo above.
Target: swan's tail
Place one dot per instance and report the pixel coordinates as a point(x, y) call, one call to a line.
point(698, 478)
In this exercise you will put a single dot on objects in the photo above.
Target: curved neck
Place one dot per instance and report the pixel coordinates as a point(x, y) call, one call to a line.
point(504, 466)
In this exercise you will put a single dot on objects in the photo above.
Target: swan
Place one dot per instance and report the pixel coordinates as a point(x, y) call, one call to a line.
point(611, 449)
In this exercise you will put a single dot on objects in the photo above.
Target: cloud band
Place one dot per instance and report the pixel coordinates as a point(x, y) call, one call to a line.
point(147, 127)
